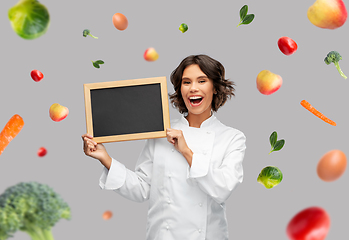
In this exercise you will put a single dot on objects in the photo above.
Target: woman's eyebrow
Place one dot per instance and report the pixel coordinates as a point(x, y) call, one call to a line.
point(200, 77)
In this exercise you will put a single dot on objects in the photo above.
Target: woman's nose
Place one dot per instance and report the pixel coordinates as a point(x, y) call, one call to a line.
point(193, 88)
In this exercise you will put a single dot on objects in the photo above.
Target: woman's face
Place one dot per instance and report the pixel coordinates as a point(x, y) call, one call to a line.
point(197, 90)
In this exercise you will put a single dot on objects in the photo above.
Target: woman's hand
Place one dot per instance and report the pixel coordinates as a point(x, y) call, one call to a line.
point(176, 138)
point(96, 150)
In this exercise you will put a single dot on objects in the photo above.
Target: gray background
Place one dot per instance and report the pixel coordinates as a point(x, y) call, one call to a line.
point(64, 56)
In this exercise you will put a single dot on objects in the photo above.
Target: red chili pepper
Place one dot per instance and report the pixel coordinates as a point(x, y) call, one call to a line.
point(36, 75)
point(312, 223)
point(287, 46)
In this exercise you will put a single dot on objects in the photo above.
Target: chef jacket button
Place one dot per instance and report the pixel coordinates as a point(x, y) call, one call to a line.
point(205, 152)
point(169, 201)
point(167, 227)
point(172, 150)
point(199, 230)
point(208, 132)
point(169, 175)
point(200, 204)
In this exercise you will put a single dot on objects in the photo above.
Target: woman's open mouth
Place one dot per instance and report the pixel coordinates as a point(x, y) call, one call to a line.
point(195, 100)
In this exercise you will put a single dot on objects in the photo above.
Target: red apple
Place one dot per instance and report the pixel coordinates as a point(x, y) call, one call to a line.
point(58, 112)
point(151, 55)
point(330, 14)
point(268, 82)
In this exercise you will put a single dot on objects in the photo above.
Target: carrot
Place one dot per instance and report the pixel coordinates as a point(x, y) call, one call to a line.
point(309, 107)
point(10, 131)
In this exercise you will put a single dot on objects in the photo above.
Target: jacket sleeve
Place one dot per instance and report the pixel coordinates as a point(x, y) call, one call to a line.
point(133, 185)
point(218, 181)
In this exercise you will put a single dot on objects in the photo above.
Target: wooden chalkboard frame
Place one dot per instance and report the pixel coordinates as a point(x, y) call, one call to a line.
point(125, 83)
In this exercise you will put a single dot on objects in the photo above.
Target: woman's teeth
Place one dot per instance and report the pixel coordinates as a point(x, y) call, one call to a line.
point(195, 100)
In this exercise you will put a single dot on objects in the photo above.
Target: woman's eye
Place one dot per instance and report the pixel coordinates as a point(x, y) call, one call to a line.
point(202, 81)
point(185, 82)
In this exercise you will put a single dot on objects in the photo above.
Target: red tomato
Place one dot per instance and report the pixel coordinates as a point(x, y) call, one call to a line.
point(311, 223)
point(36, 75)
point(42, 152)
point(287, 46)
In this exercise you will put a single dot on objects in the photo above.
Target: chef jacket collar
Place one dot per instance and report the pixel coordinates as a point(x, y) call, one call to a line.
point(204, 124)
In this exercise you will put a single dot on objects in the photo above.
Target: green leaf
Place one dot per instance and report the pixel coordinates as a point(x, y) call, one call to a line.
point(243, 12)
point(99, 62)
point(279, 144)
point(248, 19)
point(96, 65)
point(272, 139)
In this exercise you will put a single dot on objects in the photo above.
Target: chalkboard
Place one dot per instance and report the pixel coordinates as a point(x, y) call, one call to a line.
point(127, 110)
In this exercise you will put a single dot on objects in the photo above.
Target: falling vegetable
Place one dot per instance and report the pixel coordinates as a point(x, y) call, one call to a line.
point(270, 176)
point(275, 145)
point(183, 27)
point(96, 63)
point(29, 19)
point(312, 223)
point(42, 152)
point(32, 208)
point(10, 131)
point(244, 17)
point(36, 75)
point(311, 109)
point(287, 45)
point(334, 57)
point(86, 33)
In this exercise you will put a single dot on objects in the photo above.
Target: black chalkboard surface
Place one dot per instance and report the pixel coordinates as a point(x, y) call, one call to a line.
point(127, 110)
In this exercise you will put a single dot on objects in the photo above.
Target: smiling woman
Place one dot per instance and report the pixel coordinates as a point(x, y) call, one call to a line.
point(188, 175)
point(197, 91)
point(207, 69)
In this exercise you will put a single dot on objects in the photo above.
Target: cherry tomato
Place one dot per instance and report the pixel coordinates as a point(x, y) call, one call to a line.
point(312, 223)
point(42, 152)
point(36, 75)
point(287, 46)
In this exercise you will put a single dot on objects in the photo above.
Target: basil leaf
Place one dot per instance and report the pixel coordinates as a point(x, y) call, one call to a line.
point(248, 19)
point(96, 65)
point(99, 62)
point(243, 12)
point(272, 139)
point(279, 144)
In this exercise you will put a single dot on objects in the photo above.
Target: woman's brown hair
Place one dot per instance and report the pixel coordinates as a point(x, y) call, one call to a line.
point(214, 70)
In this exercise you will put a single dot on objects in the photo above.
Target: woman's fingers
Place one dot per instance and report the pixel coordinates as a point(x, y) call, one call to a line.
point(88, 140)
point(172, 135)
point(89, 144)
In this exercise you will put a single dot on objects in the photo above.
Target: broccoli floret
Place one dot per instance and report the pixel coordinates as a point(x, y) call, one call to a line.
point(33, 208)
point(86, 32)
point(334, 57)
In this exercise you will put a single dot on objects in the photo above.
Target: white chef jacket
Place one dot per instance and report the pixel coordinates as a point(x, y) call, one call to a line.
point(184, 202)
